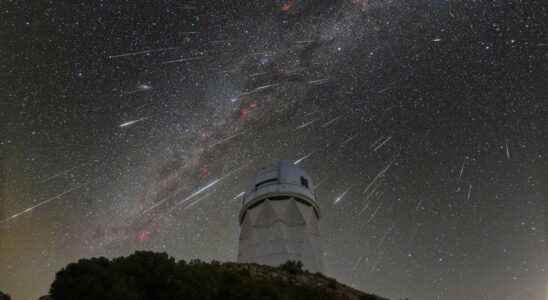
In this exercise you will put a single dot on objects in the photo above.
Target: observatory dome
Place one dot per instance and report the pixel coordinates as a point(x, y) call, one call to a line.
point(279, 219)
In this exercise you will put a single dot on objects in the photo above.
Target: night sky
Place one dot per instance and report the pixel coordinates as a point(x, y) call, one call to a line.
point(128, 126)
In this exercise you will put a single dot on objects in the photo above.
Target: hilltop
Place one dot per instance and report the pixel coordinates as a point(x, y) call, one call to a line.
point(150, 275)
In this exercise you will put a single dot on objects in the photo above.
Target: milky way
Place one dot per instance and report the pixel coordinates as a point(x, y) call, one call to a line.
point(136, 126)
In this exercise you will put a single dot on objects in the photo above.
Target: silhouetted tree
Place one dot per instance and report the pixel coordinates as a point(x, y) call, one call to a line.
point(4, 296)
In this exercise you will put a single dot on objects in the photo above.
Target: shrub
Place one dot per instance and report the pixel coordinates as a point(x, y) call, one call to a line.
point(292, 267)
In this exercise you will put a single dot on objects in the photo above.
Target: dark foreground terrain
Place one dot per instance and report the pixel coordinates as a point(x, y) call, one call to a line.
point(150, 275)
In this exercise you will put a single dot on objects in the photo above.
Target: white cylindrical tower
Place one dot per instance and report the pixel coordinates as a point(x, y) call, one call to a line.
point(279, 219)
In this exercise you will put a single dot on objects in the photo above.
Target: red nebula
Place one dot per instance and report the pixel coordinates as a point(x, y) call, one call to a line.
point(288, 6)
point(244, 112)
point(143, 235)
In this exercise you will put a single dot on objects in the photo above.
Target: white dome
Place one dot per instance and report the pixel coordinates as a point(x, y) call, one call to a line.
point(282, 178)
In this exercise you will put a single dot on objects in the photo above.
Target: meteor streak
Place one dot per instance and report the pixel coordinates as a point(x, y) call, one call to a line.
point(349, 139)
point(356, 264)
point(419, 205)
point(375, 212)
point(462, 168)
point(201, 190)
point(180, 60)
point(229, 138)
point(374, 266)
point(187, 198)
point(211, 184)
point(342, 195)
point(369, 196)
point(384, 236)
point(307, 124)
point(258, 89)
point(143, 52)
point(131, 122)
point(238, 196)
point(319, 81)
point(56, 175)
point(188, 32)
point(298, 161)
point(507, 151)
point(330, 122)
point(375, 142)
point(381, 173)
point(193, 203)
point(43, 202)
point(320, 182)
point(379, 146)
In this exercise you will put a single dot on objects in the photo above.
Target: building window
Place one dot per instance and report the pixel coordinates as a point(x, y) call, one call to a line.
point(265, 182)
point(304, 182)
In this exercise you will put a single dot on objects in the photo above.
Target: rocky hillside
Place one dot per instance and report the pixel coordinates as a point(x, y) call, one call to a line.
point(292, 273)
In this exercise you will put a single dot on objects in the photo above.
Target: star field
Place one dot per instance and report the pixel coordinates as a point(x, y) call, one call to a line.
point(128, 126)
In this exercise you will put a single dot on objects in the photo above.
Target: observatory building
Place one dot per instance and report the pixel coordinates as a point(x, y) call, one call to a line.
point(279, 219)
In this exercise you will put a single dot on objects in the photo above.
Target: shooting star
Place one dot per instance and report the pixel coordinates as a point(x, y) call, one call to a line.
point(143, 52)
point(193, 203)
point(56, 175)
point(379, 146)
point(230, 71)
point(381, 173)
point(181, 60)
point(367, 198)
point(469, 190)
point(307, 124)
point(384, 90)
point(356, 264)
point(349, 139)
point(298, 161)
point(199, 191)
point(419, 205)
point(507, 150)
point(188, 32)
point(384, 236)
point(44, 202)
point(238, 196)
point(341, 196)
point(375, 212)
point(132, 122)
point(211, 184)
point(258, 89)
point(140, 88)
point(375, 142)
point(319, 182)
point(414, 234)
point(319, 81)
point(374, 266)
point(330, 122)
point(462, 168)
point(228, 138)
